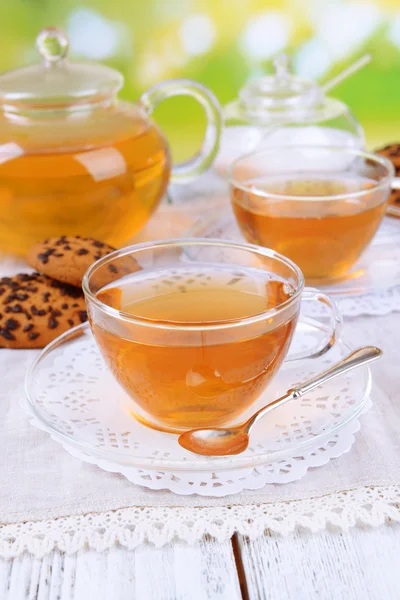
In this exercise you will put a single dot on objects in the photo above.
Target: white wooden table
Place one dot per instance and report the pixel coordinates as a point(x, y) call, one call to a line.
point(363, 564)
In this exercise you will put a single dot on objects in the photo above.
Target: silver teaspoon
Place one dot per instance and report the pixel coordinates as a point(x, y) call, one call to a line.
point(223, 442)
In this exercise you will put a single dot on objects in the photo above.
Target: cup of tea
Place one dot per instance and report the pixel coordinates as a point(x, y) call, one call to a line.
point(194, 330)
point(319, 206)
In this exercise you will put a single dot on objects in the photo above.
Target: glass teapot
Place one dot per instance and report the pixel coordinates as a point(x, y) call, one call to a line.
point(75, 160)
point(282, 109)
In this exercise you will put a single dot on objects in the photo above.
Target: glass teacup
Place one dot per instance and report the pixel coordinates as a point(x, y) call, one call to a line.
point(194, 330)
point(320, 206)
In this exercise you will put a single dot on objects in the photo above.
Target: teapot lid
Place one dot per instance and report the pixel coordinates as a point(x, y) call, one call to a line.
point(279, 96)
point(56, 81)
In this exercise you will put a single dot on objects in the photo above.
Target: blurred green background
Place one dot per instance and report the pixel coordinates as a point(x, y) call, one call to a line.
point(222, 43)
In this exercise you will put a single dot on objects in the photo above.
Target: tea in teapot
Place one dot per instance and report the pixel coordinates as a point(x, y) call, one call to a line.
point(75, 160)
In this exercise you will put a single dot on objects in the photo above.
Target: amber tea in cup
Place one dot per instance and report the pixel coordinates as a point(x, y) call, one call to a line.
point(319, 206)
point(197, 329)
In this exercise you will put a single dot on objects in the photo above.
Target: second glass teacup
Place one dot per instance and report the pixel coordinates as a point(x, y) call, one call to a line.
point(194, 330)
point(320, 206)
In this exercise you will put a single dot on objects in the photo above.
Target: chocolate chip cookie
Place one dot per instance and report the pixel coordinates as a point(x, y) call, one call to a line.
point(35, 309)
point(392, 152)
point(66, 258)
point(395, 197)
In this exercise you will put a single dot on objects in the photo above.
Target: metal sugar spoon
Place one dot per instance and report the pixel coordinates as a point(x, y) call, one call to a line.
point(224, 442)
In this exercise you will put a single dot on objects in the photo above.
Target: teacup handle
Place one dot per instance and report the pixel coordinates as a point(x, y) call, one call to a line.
point(314, 295)
point(188, 170)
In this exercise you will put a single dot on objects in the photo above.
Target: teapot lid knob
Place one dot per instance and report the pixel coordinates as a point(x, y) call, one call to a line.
point(52, 44)
point(281, 97)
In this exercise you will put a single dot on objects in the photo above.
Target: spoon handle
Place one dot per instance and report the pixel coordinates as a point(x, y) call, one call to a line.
point(355, 359)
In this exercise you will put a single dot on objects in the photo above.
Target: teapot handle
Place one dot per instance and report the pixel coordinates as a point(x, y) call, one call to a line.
point(188, 170)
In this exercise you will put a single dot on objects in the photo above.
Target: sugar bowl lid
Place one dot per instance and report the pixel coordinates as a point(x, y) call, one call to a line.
point(278, 97)
point(56, 81)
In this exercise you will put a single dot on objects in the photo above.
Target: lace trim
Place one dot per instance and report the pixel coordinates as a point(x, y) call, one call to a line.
point(131, 526)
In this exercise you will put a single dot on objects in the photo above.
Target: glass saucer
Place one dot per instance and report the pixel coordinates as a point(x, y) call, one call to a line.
point(73, 396)
point(377, 270)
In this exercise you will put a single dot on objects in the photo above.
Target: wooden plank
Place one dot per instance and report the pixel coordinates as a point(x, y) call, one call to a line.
point(67, 577)
point(219, 572)
point(24, 578)
point(41, 591)
point(154, 572)
point(179, 571)
point(56, 575)
point(174, 572)
point(5, 574)
point(120, 582)
point(28, 578)
point(215, 577)
point(363, 563)
point(91, 576)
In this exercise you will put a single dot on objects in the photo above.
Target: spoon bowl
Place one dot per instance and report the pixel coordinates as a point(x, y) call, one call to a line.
point(215, 442)
point(234, 440)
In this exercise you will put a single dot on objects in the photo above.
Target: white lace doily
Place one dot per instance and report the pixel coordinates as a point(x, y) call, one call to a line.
point(76, 400)
point(130, 527)
point(375, 288)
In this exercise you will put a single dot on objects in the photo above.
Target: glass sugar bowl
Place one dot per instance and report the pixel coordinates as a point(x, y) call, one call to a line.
point(76, 160)
point(281, 109)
